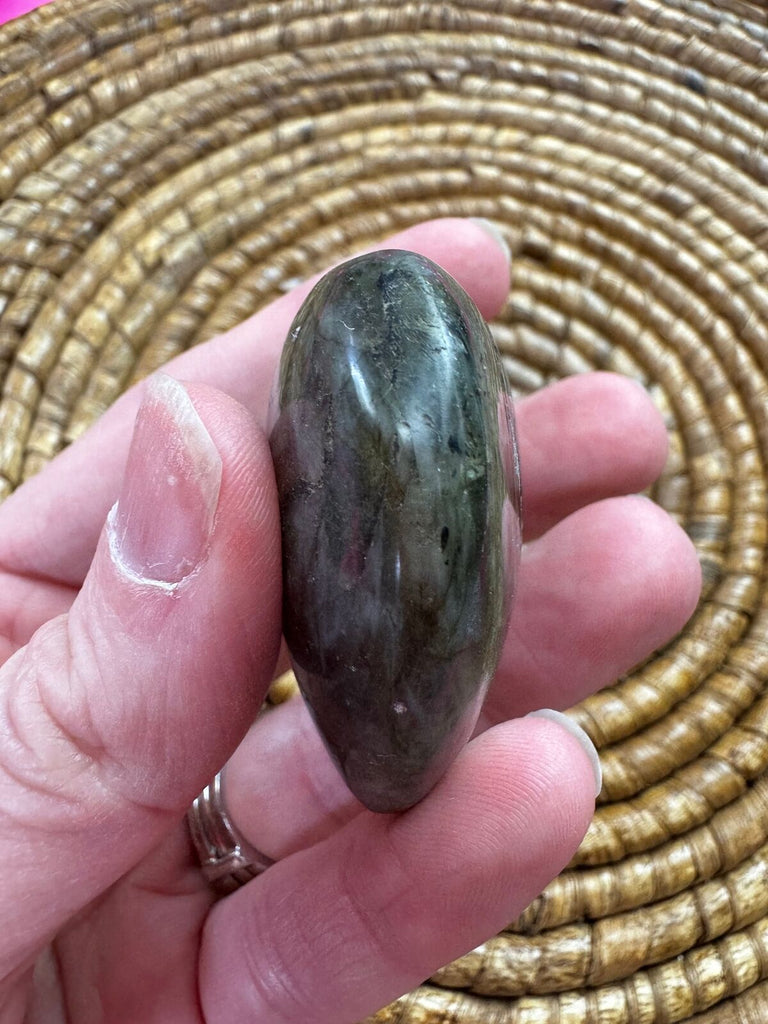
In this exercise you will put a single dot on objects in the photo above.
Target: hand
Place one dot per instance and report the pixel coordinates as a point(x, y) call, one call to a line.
point(137, 655)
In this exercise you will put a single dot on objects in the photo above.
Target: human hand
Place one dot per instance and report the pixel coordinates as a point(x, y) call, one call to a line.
point(137, 655)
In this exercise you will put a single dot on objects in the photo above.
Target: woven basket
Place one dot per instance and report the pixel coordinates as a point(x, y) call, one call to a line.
point(169, 166)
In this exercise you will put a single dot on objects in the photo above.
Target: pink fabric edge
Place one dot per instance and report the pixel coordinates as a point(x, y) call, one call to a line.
point(15, 8)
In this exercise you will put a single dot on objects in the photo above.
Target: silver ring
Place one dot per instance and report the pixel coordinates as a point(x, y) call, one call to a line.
point(227, 859)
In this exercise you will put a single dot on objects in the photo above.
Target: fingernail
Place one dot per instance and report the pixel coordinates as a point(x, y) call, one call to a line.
point(495, 232)
point(160, 529)
point(578, 734)
point(639, 384)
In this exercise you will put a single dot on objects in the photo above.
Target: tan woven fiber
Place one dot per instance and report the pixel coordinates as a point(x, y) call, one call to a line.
point(166, 168)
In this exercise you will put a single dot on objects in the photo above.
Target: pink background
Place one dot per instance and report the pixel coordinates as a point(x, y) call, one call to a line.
point(13, 8)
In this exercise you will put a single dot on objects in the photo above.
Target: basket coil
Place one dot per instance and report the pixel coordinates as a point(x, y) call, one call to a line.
point(167, 167)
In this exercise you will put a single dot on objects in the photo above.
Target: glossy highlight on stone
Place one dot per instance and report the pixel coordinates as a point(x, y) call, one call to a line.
point(397, 471)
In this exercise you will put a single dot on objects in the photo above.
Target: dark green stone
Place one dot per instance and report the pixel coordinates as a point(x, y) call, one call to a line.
point(396, 463)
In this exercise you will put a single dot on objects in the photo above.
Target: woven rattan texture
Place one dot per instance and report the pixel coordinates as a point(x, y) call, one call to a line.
point(166, 168)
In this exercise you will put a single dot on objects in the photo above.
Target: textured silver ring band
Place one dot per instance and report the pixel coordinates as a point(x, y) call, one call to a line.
point(227, 859)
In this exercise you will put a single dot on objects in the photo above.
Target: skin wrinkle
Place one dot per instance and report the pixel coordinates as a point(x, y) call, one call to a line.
point(123, 771)
point(88, 801)
point(520, 800)
point(42, 786)
point(270, 978)
point(92, 773)
point(32, 721)
point(271, 952)
point(86, 739)
point(375, 923)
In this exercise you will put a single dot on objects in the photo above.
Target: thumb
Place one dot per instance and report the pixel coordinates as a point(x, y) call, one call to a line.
point(115, 715)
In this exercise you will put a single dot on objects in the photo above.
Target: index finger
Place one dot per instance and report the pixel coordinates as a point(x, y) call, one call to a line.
point(49, 527)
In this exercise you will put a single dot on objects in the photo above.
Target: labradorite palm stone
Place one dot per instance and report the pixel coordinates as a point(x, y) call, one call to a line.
point(397, 474)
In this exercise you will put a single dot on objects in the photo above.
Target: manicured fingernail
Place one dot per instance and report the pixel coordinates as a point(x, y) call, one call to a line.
point(495, 232)
point(578, 734)
point(160, 529)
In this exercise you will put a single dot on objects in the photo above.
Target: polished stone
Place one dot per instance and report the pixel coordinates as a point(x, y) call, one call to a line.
point(397, 472)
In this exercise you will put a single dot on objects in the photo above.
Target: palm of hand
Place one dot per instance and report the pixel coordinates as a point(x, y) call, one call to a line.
point(120, 702)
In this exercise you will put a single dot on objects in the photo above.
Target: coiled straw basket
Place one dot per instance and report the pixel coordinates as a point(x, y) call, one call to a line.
point(167, 166)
